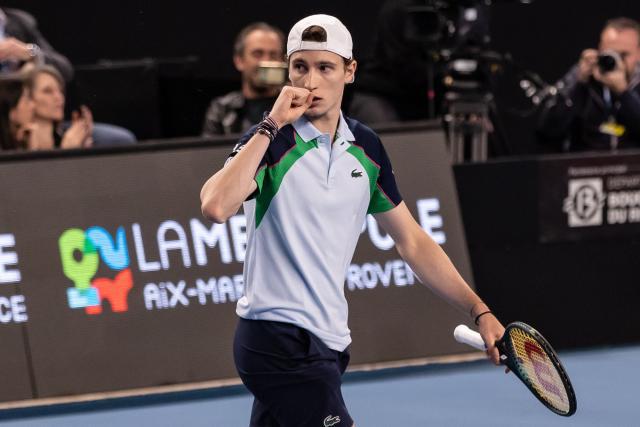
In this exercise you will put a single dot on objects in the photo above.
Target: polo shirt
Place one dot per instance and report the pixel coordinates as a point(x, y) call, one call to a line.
point(304, 221)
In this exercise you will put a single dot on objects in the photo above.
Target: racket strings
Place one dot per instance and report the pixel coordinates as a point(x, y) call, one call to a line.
point(538, 370)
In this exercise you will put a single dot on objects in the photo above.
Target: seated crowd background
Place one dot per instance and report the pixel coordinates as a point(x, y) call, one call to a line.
point(592, 109)
point(32, 116)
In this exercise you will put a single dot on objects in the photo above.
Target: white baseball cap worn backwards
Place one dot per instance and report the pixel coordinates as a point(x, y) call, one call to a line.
point(338, 37)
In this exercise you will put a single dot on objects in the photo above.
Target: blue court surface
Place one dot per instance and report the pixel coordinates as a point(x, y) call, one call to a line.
point(464, 394)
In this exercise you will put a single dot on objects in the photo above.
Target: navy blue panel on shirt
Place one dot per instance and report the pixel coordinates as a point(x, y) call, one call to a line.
point(372, 146)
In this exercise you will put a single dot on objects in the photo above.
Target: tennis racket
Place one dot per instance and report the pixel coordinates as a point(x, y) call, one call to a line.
point(525, 351)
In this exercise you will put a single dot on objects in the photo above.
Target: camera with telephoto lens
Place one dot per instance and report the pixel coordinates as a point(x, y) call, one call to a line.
point(272, 73)
point(608, 61)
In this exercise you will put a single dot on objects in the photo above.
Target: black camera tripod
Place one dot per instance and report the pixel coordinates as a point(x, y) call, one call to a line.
point(468, 125)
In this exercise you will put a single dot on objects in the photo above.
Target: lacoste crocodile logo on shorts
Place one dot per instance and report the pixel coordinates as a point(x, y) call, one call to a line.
point(331, 421)
point(356, 173)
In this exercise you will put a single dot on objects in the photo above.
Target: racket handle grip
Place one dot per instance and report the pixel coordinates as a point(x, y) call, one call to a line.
point(464, 335)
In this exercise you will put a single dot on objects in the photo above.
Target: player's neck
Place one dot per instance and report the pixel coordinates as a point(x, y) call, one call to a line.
point(327, 123)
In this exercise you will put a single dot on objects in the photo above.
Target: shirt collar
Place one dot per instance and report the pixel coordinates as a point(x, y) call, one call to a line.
point(308, 132)
point(344, 131)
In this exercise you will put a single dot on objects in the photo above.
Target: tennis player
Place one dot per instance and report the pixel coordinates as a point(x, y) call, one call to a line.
point(308, 176)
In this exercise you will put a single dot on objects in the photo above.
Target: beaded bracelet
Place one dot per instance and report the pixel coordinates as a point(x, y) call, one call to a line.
point(268, 127)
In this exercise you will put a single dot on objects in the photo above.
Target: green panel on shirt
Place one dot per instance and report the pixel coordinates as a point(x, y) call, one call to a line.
point(372, 169)
point(379, 201)
point(270, 178)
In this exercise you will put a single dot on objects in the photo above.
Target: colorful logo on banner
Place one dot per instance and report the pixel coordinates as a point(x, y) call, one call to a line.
point(80, 253)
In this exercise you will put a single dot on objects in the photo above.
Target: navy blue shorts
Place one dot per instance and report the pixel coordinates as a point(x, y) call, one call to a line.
point(294, 377)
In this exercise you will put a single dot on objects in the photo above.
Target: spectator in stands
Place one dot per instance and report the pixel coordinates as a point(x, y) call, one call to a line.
point(23, 46)
point(237, 111)
point(597, 109)
point(21, 42)
point(47, 91)
point(16, 114)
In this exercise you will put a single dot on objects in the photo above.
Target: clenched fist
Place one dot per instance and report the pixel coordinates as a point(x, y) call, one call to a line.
point(290, 105)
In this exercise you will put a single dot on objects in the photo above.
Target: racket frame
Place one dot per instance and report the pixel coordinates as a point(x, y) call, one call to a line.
point(505, 350)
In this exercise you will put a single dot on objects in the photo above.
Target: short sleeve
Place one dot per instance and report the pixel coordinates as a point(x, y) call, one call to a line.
point(385, 195)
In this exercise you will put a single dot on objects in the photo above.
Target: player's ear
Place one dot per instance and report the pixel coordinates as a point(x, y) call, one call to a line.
point(350, 72)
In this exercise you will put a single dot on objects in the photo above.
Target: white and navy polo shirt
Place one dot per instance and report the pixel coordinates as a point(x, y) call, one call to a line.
point(304, 220)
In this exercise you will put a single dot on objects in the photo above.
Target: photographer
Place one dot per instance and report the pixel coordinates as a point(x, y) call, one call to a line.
point(237, 111)
point(598, 103)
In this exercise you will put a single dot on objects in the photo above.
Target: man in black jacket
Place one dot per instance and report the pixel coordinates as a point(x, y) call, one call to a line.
point(596, 108)
point(237, 111)
point(21, 42)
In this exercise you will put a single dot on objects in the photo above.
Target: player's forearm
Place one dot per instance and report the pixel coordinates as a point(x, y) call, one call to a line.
point(434, 268)
point(223, 193)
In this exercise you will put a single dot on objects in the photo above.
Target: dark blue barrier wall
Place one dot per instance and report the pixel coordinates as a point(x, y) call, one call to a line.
point(555, 242)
